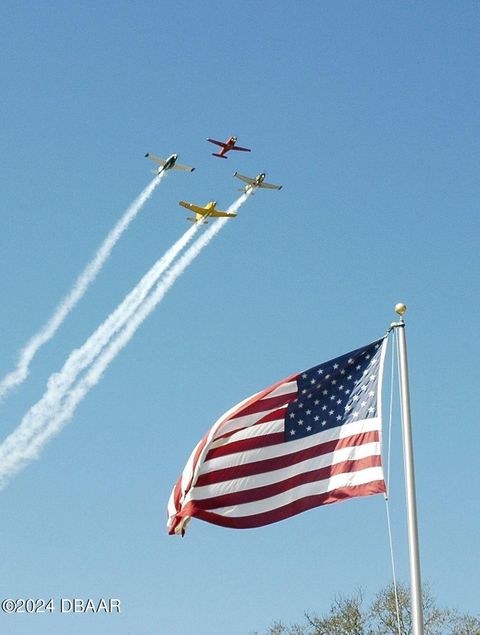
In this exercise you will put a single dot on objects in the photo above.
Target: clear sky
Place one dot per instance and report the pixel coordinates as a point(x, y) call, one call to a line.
point(367, 113)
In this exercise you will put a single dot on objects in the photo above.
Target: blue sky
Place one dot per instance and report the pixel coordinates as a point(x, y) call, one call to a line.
point(367, 113)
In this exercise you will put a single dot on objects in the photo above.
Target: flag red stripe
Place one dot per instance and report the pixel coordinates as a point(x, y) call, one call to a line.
point(178, 494)
point(242, 445)
point(267, 491)
point(286, 511)
point(279, 462)
point(253, 443)
point(267, 403)
point(246, 472)
point(240, 411)
point(276, 415)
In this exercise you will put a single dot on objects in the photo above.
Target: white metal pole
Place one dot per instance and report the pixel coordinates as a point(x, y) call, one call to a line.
point(415, 577)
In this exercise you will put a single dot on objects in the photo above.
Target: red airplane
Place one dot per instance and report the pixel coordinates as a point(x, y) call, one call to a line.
point(226, 147)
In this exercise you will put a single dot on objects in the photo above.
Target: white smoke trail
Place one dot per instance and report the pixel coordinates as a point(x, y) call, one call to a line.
point(59, 383)
point(88, 275)
point(80, 358)
point(26, 442)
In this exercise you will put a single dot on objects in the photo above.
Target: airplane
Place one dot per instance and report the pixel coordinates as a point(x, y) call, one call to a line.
point(201, 213)
point(226, 147)
point(167, 164)
point(258, 181)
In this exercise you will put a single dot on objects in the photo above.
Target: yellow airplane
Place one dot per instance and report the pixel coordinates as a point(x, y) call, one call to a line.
point(201, 213)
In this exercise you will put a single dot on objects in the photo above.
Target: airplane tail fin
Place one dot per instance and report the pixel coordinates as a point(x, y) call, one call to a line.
point(221, 156)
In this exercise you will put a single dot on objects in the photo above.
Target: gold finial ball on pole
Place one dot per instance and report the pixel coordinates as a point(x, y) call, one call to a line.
point(400, 308)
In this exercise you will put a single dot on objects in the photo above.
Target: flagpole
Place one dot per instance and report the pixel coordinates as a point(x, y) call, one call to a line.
point(415, 577)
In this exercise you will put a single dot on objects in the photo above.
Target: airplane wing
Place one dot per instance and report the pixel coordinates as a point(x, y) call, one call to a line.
point(217, 143)
point(194, 208)
point(183, 167)
point(270, 186)
point(152, 157)
point(203, 211)
point(241, 149)
point(218, 214)
point(246, 179)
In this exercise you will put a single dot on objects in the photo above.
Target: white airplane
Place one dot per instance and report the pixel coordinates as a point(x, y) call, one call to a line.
point(167, 164)
point(258, 181)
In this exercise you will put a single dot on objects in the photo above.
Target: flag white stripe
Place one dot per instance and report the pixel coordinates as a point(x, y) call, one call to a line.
point(245, 483)
point(249, 428)
point(233, 443)
point(188, 470)
point(259, 430)
point(223, 426)
point(285, 448)
point(285, 389)
point(230, 412)
point(349, 479)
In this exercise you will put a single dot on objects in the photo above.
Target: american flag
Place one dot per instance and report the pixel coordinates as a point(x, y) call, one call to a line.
point(309, 440)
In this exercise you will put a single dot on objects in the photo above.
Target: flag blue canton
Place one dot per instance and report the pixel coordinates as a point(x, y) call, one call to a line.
point(342, 390)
